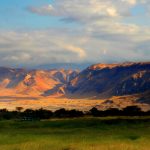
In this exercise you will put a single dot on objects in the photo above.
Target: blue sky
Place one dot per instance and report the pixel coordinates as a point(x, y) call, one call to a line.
point(63, 31)
point(14, 15)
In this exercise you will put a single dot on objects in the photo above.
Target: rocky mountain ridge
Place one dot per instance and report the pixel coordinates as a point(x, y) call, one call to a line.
point(107, 80)
point(99, 81)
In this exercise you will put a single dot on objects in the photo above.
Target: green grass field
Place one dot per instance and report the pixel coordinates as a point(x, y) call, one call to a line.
point(76, 134)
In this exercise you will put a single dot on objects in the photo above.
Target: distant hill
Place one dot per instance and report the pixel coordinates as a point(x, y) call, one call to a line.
point(107, 80)
point(111, 82)
point(33, 82)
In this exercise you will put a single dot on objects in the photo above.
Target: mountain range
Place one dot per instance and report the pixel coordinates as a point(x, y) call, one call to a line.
point(96, 82)
point(107, 80)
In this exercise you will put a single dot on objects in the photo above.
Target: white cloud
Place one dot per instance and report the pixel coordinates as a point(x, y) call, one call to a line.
point(37, 47)
point(79, 51)
point(101, 36)
point(132, 2)
point(19, 56)
point(84, 10)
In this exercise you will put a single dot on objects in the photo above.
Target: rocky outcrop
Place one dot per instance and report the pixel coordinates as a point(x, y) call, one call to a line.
point(107, 80)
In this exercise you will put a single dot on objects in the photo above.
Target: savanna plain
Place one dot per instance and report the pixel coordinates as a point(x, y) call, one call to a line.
point(88, 133)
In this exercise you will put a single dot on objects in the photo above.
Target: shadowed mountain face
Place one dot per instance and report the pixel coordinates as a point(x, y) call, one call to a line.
point(95, 82)
point(107, 80)
point(9, 78)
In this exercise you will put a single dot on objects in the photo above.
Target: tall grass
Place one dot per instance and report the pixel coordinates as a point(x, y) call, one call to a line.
point(76, 134)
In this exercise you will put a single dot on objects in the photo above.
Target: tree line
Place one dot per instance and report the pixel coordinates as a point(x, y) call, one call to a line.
point(38, 114)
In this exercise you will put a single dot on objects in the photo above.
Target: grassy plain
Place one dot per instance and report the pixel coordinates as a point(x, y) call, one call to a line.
point(76, 134)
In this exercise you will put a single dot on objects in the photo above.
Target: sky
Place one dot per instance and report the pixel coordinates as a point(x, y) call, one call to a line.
point(38, 32)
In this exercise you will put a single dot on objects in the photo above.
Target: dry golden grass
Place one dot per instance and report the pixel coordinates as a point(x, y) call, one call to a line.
point(55, 102)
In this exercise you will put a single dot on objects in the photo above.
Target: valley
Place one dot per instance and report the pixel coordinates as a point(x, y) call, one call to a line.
point(101, 85)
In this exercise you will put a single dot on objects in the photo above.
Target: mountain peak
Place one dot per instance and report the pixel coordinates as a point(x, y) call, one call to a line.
point(114, 65)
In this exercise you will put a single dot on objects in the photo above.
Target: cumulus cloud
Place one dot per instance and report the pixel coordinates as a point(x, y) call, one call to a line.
point(37, 47)
point(17, 57)
point(84, 10)
point(93, 43)
point(101, 36)
point(79, 51)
